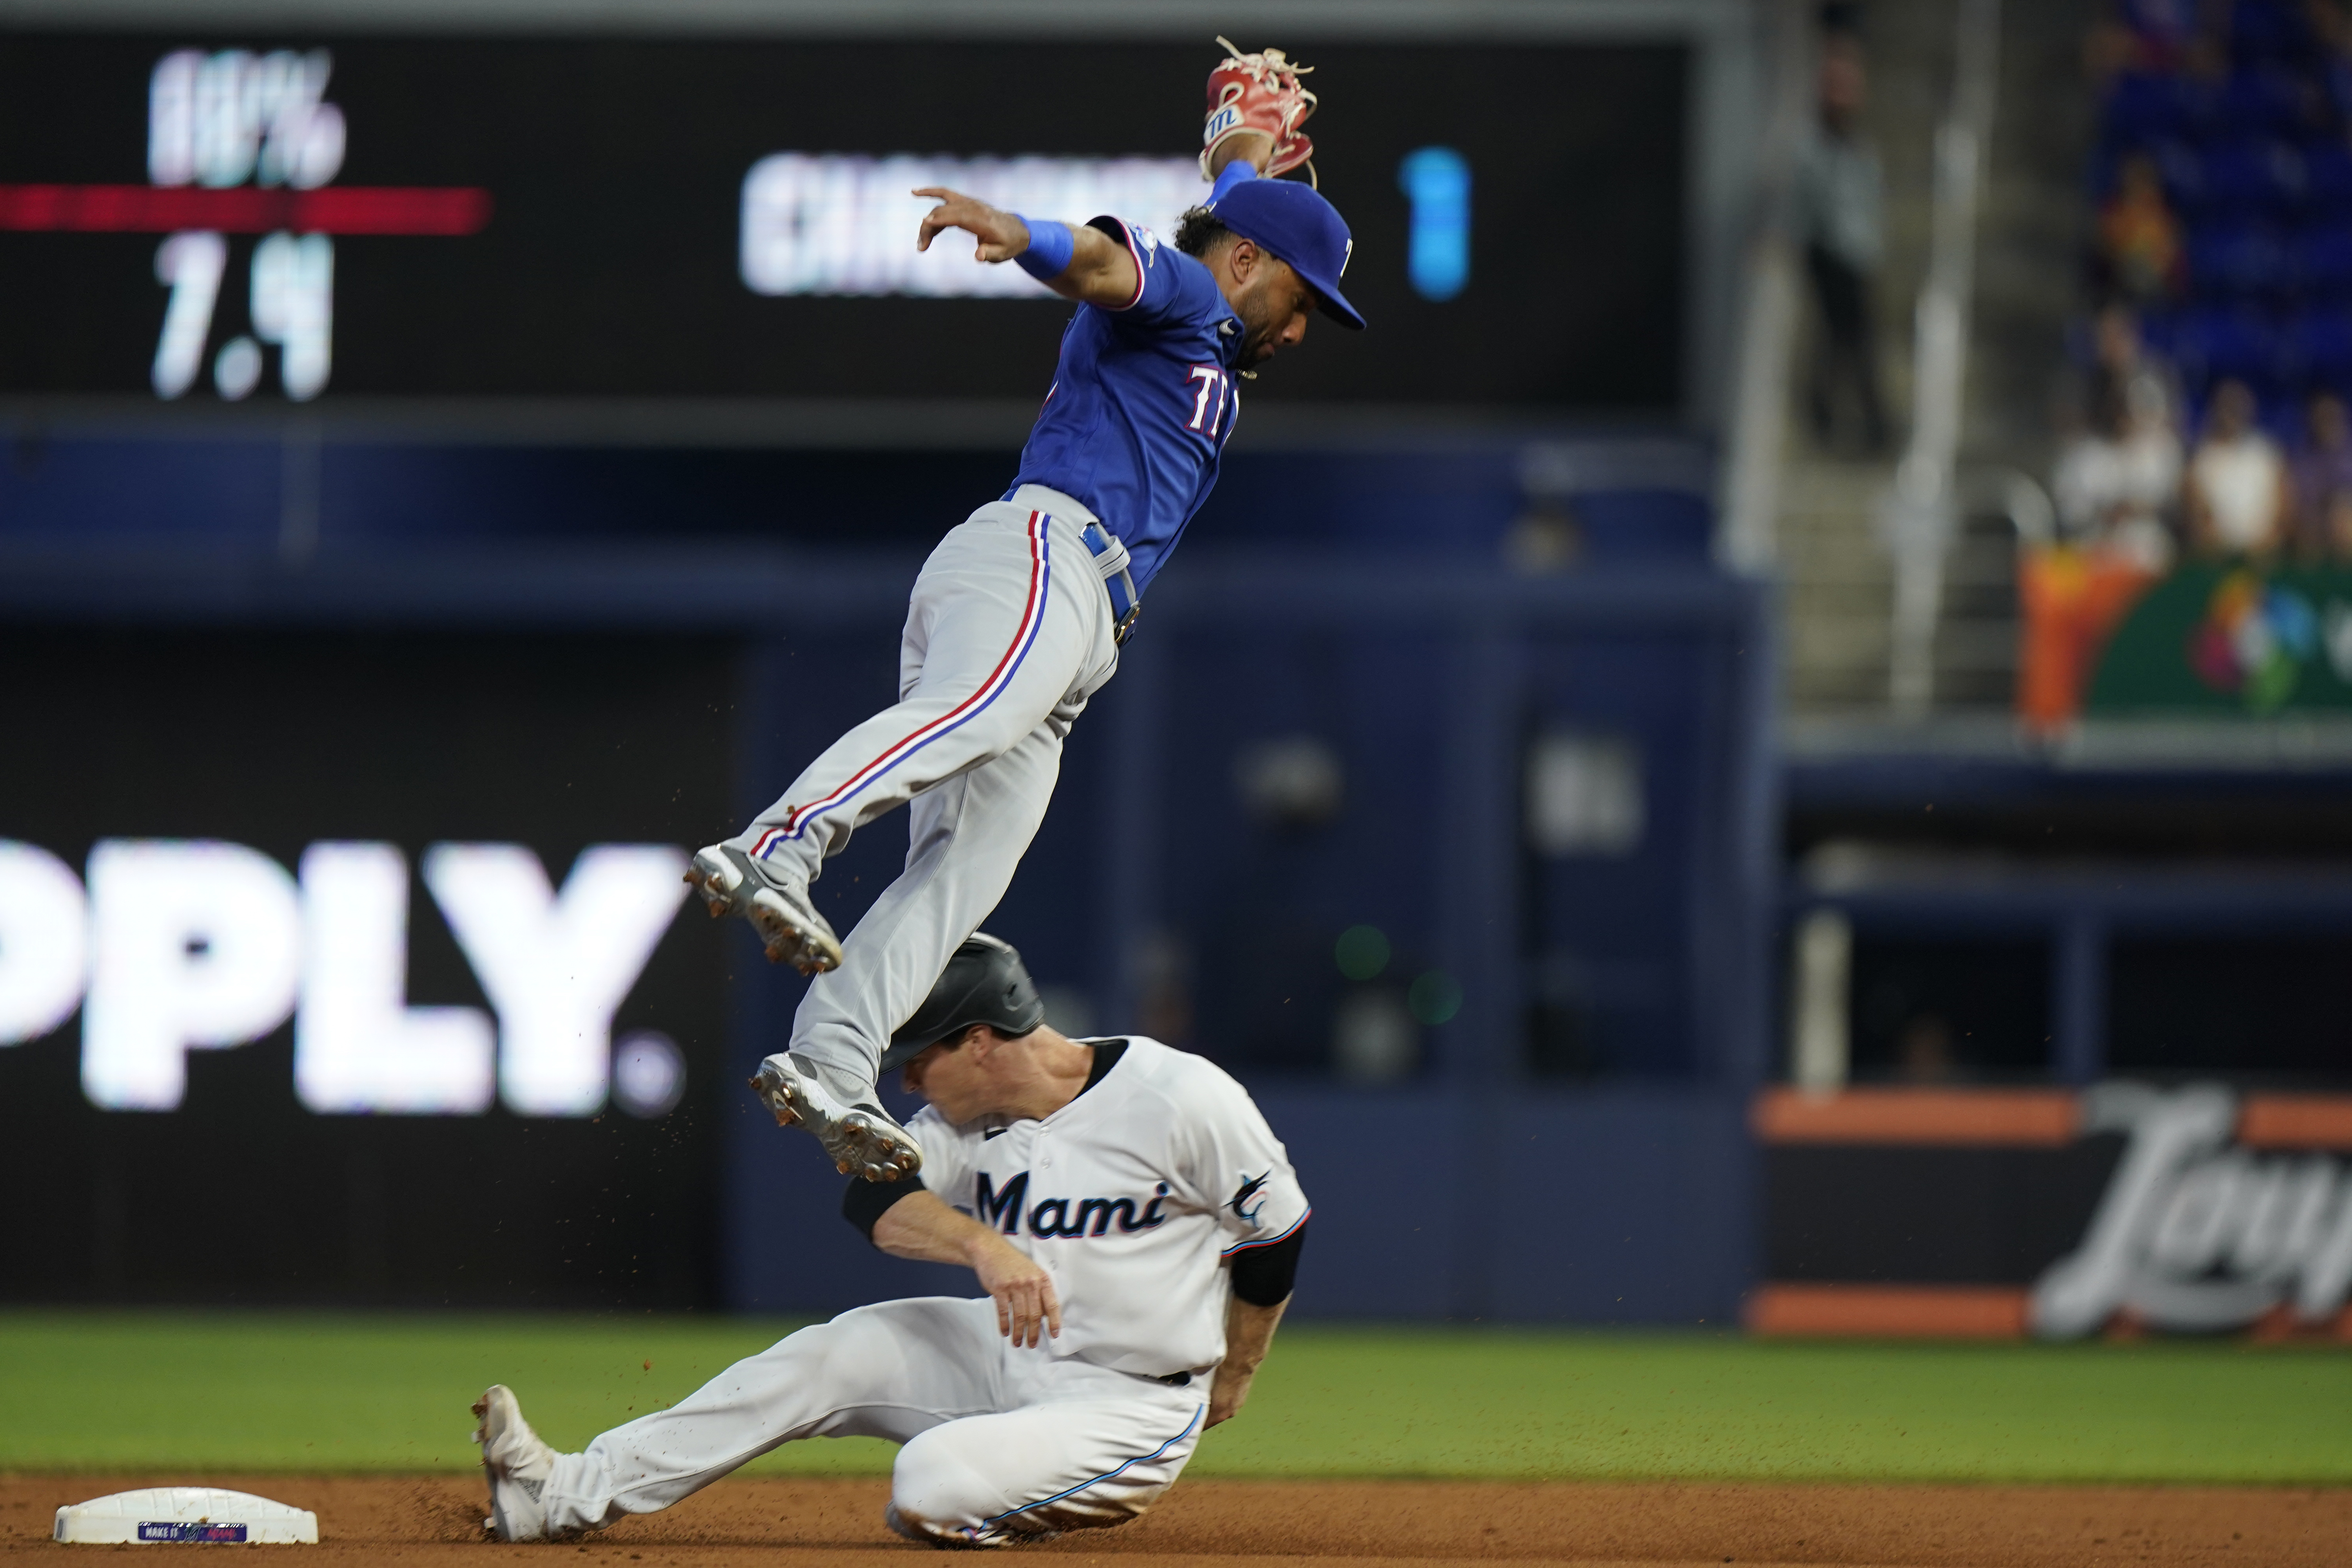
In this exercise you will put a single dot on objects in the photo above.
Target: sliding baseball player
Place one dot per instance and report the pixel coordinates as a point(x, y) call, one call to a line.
point(1017, 616)
point(1137, 1229)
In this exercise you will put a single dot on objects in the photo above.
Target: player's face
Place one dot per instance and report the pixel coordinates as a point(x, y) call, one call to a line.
point(948, 1080)
point(1274, 307)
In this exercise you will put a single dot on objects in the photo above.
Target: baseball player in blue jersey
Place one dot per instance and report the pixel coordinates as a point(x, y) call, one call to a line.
point(1016, 618)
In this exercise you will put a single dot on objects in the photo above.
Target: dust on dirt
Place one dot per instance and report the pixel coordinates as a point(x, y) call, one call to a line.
point(434, 1521)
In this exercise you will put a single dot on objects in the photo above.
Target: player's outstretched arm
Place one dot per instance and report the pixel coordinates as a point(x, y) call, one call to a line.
point(1249, 1330)
point(921, 1227)
point(1096, 270)
point(1254, 147)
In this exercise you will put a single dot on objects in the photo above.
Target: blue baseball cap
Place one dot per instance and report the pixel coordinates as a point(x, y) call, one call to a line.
point(1294, 222)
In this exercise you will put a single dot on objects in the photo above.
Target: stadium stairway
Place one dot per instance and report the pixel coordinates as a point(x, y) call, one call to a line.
point(1838, 580)
point(1838, 584)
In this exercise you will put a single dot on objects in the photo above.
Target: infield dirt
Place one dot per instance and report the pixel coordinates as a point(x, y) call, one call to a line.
point(435, 1523)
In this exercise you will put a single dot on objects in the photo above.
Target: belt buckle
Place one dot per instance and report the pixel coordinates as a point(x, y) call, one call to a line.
point(1101, 541)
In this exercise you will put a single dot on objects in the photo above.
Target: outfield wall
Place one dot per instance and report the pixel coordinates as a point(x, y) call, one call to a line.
point(2124, 1207)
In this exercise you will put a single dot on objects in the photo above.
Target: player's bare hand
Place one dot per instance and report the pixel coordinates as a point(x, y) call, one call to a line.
point(1028, 1310)
point(1229, 1394)
point(1001, 234)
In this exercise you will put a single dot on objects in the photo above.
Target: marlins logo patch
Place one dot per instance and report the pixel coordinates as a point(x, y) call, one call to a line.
point(1243, 1193)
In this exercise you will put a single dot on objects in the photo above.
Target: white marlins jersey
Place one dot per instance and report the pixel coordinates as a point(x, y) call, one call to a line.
point(1133, 1196)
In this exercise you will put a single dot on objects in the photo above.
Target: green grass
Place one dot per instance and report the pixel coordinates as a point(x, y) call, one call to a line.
point(347, 1393)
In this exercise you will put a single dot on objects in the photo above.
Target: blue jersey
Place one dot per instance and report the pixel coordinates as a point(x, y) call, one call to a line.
point(1143, 399)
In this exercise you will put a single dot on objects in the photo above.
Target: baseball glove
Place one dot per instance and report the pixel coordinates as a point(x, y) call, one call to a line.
point(1260, 92)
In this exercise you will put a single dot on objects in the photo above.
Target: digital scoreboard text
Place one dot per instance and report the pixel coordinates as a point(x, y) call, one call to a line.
point(297, 217)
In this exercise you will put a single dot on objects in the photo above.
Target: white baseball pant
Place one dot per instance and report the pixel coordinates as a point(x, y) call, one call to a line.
point(1001, 1442)
point(1009, 631)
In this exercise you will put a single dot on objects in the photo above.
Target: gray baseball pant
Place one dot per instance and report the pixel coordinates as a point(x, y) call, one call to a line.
point(1008, 633)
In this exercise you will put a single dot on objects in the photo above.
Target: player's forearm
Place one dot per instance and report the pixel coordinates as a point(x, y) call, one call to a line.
point(1249, 1332)
point(920, 1228)
point(1028, 1311)
point(1254, 147)
point(1101, 272)
point(1073, 260)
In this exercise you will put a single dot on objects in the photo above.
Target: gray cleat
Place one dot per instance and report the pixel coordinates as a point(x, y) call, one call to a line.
point(732, 883)
point(859, 1135)
point(518, 1465)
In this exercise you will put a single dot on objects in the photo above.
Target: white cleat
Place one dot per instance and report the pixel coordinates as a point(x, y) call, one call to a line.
point(518, 1465)
point(952, 1537)
point(732, 883)
point(860, 1137)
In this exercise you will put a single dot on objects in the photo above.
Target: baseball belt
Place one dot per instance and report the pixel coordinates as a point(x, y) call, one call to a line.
point(1111, 561)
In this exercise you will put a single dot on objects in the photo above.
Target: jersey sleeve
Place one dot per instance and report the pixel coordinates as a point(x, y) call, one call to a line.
point(1235, 1164)
point(864, 1203)
point(947, 1159)
point(1233, 174)
point(1173, 290)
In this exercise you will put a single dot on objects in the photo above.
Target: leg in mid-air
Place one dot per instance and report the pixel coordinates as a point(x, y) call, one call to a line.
point(967, 836)
point(1009, 631)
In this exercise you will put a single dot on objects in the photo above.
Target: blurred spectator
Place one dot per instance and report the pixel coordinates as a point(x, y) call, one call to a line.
point(2238, 495)
point(2326, 19)
point(1924, 1053)
point(2120, 359)
point(1840, 214)
point(2140, 255)
point(2331, 28)
point(2336, 538)
point(2153, 36)
point(2115, 487)
point(2116, 483)
point(2323, 478)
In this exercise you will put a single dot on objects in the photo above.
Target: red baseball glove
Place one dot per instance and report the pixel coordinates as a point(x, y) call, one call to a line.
point(1260, 92)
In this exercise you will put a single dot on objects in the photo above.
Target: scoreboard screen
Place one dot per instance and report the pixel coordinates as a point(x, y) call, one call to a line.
point(191, 218)
point(262, 1093)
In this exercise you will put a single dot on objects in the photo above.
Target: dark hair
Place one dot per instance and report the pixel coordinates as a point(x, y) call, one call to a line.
point(1199, 231)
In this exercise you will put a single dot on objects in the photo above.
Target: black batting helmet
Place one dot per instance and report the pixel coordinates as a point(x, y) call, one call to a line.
point(985, 982)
